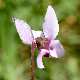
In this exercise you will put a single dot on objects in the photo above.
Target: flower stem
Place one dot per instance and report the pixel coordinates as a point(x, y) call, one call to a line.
point(32, 59)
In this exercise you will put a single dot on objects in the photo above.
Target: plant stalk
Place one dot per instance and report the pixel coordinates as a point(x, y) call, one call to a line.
point(32, 59)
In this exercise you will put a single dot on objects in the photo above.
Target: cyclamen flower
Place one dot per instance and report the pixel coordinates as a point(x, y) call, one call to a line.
point(46, 45)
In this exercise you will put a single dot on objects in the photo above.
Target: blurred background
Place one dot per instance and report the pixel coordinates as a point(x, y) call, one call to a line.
point(15, 57)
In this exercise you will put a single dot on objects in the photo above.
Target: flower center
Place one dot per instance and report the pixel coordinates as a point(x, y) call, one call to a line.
point(42, 43)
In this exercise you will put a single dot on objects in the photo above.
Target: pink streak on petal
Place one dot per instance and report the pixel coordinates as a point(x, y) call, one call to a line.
point(50, 25)
point(37, 34)
point(39, 58)
point(46, 55)
point(24, 31)
point(57, 49)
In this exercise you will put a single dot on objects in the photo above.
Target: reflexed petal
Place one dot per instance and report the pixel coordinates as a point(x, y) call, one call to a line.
point(24, 31)
point(50, 25)
point(37, 34)
point(39, 58)
point(57, 49)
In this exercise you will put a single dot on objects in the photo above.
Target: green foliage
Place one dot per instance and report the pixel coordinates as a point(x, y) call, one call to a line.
point(15, 57)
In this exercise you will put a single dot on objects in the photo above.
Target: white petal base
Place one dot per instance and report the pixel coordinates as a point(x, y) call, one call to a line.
point(57, 50)
point(37, 34)
point(39, 58)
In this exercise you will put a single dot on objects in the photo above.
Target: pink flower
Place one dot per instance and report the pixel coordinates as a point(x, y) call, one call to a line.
point(46, 45)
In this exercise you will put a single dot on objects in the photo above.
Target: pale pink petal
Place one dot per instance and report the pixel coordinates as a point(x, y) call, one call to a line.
point(37, 34)
point(57, 50)
point(39, 58)
point(50, 25)
point(24, 31)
